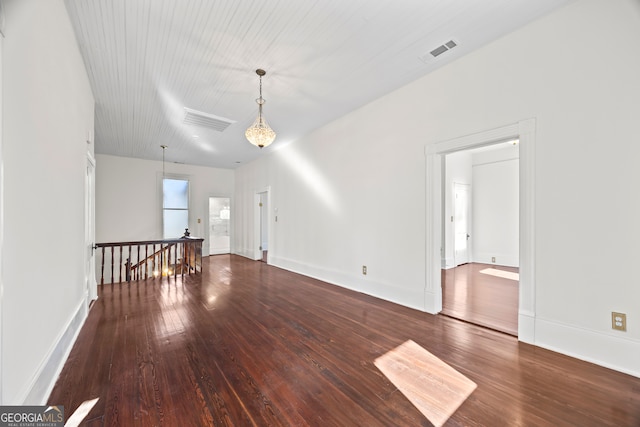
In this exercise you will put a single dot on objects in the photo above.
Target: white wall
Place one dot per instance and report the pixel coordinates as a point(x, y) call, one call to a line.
point(2, 20)
point(496, 206)
point(47, 119)
point(352, 192)
point(129, 197)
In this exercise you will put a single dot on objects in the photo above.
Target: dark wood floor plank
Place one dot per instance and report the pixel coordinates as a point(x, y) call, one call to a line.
point(482, 299)
point(326, 347)
point(249, 344)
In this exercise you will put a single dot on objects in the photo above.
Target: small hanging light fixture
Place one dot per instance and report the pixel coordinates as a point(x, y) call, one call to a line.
point(260, 134)
point(164, 147)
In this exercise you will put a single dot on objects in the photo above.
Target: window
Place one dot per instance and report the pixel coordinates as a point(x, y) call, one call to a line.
point(175, 207)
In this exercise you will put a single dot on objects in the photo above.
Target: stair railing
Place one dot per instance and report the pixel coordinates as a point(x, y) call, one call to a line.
point(148, 259)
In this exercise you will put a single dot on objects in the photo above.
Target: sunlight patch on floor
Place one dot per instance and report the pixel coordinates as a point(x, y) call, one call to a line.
point(80, 413)
point(501, 273)
point(433, 387)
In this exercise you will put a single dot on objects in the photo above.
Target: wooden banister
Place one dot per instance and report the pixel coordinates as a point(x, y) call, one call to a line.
point(184, 254)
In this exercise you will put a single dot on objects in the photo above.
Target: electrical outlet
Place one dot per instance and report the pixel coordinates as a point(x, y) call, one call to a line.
point(619, 321)
point(493, 259)
point(364, 270)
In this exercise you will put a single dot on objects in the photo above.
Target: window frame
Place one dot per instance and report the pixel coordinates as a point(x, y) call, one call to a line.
point(177, 177)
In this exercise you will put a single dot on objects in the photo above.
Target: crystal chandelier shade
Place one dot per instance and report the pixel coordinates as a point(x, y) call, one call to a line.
point(260, 134)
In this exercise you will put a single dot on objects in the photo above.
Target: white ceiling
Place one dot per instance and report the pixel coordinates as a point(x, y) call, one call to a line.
point(149, 59)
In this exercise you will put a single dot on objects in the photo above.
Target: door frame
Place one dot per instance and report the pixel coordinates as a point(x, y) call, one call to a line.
point(525, 131)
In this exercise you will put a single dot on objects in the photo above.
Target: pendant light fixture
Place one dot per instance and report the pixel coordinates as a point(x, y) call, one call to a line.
point(260, 134)
point(164, 147)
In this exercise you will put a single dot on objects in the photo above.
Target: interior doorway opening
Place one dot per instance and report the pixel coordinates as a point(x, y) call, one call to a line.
point(219, 225)
point(525, 132)
point(481, 236)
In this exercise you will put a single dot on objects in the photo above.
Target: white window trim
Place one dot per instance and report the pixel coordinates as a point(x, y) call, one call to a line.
point(160, 179)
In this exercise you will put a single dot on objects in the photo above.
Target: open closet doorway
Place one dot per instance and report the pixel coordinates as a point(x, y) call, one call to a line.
point(219, 225)
point(480, 280)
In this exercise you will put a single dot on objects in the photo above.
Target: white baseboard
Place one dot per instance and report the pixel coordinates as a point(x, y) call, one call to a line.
point(244, 253)
point(433, 301)
point(448, 263)
point(364, 284)
point(501, 259)
point(45, 377)
point(526, 327)
point(608, 350)
point(217, 253)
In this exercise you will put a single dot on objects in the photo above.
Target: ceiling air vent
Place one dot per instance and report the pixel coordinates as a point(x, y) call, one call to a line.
point(198, 118)
point(439, 51)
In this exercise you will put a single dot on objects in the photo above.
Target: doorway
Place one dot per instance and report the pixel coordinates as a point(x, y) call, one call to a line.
point(479, 286)
point(219, 225)
point(435, 237)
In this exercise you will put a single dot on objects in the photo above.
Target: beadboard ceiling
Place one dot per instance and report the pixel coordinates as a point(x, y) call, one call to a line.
point(148, 60)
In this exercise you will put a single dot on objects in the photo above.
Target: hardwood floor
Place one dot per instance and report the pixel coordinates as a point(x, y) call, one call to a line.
point(480, 298)
point(248, 344)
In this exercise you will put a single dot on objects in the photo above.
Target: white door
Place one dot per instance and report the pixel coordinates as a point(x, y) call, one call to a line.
point(461, 216)
point(89, 231)
point(219, 225)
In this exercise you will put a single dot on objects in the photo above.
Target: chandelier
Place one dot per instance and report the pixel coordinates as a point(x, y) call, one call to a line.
point(260, 134)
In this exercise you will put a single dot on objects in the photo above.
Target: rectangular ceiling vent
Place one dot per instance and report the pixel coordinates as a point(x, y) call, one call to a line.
point(199, 118)
point(439, 51)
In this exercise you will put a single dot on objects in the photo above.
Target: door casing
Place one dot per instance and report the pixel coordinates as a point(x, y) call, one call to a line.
point(525, 131)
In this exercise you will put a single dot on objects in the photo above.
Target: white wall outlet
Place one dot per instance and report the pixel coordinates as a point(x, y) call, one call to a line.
point(364, 270)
